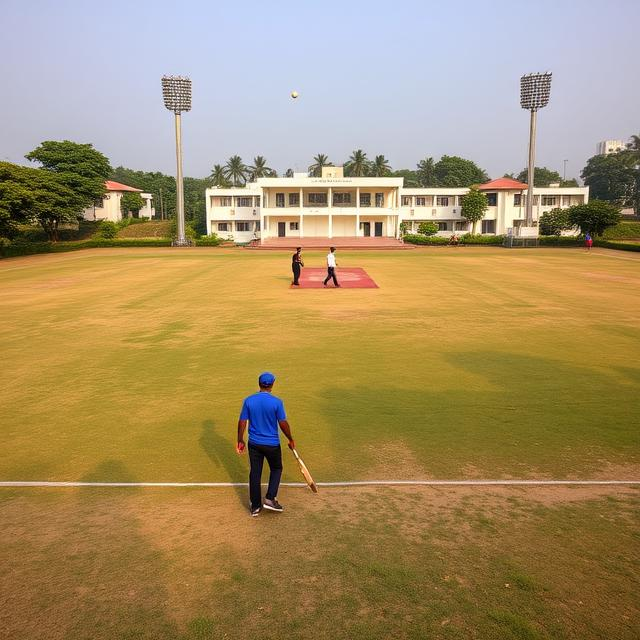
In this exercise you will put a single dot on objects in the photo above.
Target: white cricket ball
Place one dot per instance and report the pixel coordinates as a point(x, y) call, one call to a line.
point(294, 94)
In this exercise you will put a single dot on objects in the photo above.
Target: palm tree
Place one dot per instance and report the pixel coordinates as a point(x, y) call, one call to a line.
point(427, 173)
point(236, 171)
point(218, 176)
point(380, 167)
point(288, 173)
point(259, 169)
point(321, 160)
point(357, 164)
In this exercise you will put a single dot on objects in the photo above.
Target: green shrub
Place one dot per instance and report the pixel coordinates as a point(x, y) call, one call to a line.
point(428, 228)
point(209, 241)
point(470, 238)
point(427, 240)
point(107, 230)
point(622, 246)
point(560, 241)
point(554, 222)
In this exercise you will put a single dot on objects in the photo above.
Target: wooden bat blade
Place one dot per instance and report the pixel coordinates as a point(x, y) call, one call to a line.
point(305, 472)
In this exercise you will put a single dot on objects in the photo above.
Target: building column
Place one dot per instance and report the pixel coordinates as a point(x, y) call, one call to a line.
point(357, 211)
point(329, 207)
point(301, 213)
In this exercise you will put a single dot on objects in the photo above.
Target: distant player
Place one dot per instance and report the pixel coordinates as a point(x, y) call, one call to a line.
point(331, 267)
point(588, 241)
point(296, 265)
point(264, 413)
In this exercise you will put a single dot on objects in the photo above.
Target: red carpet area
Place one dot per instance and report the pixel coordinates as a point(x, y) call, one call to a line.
point(348, 278)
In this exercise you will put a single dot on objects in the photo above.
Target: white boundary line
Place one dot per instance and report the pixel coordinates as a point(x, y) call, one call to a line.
point(355, 483)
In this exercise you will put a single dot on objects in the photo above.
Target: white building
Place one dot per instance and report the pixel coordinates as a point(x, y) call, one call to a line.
point(606, 147)
point(335, 206)
point(109, 207)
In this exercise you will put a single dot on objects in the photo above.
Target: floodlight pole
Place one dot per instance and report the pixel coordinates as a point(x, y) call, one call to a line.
point(531, 169)
point(176, 91)
point(181, 240)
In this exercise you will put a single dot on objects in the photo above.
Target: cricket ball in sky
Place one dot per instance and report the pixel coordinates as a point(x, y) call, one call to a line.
point(294, 94)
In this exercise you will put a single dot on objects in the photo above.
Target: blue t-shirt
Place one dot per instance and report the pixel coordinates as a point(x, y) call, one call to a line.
point(263, 411)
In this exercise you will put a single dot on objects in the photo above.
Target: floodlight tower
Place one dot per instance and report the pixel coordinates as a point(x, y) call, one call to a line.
point(176, 91)
point(534, 94)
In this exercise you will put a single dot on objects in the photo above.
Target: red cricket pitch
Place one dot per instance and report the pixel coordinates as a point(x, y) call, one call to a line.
point(348, 278)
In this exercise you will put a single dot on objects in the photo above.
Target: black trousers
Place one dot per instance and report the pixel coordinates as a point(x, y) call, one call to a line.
point(331, 273)
point(296, 272)
point(257, 454)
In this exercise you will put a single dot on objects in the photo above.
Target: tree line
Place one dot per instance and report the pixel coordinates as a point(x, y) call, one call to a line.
point(70, 177)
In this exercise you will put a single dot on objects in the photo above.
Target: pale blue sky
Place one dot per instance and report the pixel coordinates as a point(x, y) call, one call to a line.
point(408, 79)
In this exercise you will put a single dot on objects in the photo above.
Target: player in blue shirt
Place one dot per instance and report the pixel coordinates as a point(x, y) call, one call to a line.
point(264, 413)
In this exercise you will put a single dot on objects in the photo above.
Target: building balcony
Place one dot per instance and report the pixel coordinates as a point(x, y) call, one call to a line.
point(325, 211)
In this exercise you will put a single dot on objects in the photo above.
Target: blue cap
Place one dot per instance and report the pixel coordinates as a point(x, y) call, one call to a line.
point(266, 379)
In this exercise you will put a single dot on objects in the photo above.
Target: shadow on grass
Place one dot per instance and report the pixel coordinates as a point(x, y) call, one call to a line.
point(222, 454)
point(506, 414)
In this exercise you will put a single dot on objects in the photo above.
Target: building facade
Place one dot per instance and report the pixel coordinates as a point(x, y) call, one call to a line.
point(606, 147)
point(334, 206)
point(109, 207)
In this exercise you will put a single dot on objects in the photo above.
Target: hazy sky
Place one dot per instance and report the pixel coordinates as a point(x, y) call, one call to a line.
point(407, 79)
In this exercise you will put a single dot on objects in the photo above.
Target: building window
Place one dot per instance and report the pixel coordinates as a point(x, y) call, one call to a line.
point(279, 199)
point(488, 226)
point(566, 201)
point(223, 226)
point(421, 201)
point(460, 226)
point(492, 199)
point(294, 199)
point(460, 200)
point(226, 201)
point(379, 199)
point(548, 201)
point(294, 226)
point(518, 223)
point(242, 226)
point(318, 199)
point(406, 201)
point(442, 226)
point(442, 201)
point(517, 199)
point(342, 198)
point(257, 223)
point(244, 202)
point(256, 201)
point(365, 199)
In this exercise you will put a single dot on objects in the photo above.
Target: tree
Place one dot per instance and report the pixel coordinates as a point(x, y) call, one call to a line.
point(131, 201)
point(542, 177)
point(595, 216)
point(319, 161)
point(428, 228)
point(380, 167)
point(554, 222)
point(15, 199)
point(34, 194)
point(236, 171)
point(474, 206)
point(634, 154)
point(426, 173)
point(453, 171)
point(288, 173)
point(259, 169)
point(410, 177)
point(357, 164)
point(611, 178)
point(160, 186)
point(218, 176)
point(80, 167)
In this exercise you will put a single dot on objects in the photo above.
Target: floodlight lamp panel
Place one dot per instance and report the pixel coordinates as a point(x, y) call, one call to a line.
point(176, 91)
point(535, 89)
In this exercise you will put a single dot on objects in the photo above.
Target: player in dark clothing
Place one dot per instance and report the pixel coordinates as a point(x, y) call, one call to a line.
point(296, 265)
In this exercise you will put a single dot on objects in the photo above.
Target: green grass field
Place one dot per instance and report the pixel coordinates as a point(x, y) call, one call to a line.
point(131, 365)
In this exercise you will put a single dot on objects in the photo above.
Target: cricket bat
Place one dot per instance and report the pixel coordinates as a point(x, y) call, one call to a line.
point(305, 472)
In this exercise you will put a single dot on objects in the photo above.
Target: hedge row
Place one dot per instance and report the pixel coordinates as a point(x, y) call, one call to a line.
point(622, 231)
point(622, 246)
point(465, 239)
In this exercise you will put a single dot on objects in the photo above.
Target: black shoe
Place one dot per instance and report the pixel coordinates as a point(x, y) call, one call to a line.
point(273, 505)
point(256, 512)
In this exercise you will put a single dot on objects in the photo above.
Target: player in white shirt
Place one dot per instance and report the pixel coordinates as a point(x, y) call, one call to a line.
point(331, 267)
